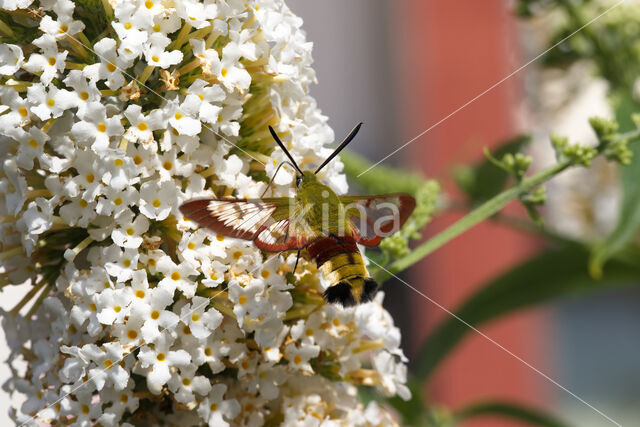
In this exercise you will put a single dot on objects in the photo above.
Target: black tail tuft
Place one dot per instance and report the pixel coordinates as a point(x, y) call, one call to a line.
point(340, 294)
point(369, 290)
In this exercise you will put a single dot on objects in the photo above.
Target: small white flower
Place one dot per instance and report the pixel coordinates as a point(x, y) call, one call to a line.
point(49, 63)
point(11, 58)
point(128, 233)
point(155, 54)
point(216, 411)
point(157, 199)
point(50, 104)
point(299, 356)
point(160, 359)
point(114, 305)
point(186, 384)
point(200, 322)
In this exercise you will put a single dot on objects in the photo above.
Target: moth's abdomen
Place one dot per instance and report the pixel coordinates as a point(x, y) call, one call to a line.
point(342, 266)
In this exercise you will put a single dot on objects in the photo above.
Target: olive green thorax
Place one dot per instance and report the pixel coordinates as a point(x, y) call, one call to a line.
point(320, 206)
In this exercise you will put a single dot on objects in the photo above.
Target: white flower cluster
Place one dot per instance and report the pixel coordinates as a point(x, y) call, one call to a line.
point(137, 316)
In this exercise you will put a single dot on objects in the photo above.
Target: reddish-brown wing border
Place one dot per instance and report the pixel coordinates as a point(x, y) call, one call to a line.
point(363, 231)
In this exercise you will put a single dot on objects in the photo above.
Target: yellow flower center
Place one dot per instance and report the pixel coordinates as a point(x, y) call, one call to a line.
point(237, 255)
point(90, 178)
point(101, 127)
point(297, 359)
point(207, 351)
point(51, 102)
point(84, 95)
point(224, 72)
point(308, 332)
point(85, 409)
point(142, 126)
point(154, 58)
point(186, 381)
point(167, 165)
point(130, 231)
point(23, 111)
point(83, 203)
point(52, 61)
point(155, 314)
point(137, 159)
point(127, 25)
point(191, 245)
point(126, 263)
point(64, 28)
point(178, 115)
point(118, 162)
point(140, 293)
point(124, 398)
point(213, 407)
point(242, 300)
point(156, 203)
point(33, 143)
point(175, 275)
point(117, 309)
point(265, 274)
point(220, 238)
point(132, 335)
point(108, 364)
point(117, 201)
point(93, 307)
point(195, 317)
point(111, 67)
point(160, 357)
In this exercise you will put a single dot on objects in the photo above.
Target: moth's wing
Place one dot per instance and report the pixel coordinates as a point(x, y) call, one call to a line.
point(374, 217)
point(280, 236)
point(239, 218)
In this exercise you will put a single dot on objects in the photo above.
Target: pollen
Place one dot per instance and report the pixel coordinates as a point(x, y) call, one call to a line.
point(117, 201)
point(224, 72)
point(108, 364)
point(118, 162)
point(156, 203)
point(137, 159)
point(148, 4)
point(195, 317)
point(111, 67)
point(85, 409)
point(131, 334)
point(191, 245)
point(154, 58)
point(126, 263)
point(142, 126)
point(309, 332)
point(242, 300)
point(90, 178)
point(220, 238)
point(23, 111)
point(336, 321)
point(84, 95)
point(237, 255)
point(213, 407)
point(130, 231)
point(213, 276)
point(127, 25)
point(51, 102)
point(175, 275)
point(186, 382)
point(83, 203)
point(201, 97)
point(102, 127)
point(52, 61)
point(93, 307)
point(160, 357)
point(156, 28)
point(167, 165)
point(124, 398)
point(140, 293)
point(33, 143)
point(64, 28)
point(155, 314)
point(297, 359)
point(117, 308)
point(151, 262)
point(265, 274)
point(207, 351)
point(178, 115)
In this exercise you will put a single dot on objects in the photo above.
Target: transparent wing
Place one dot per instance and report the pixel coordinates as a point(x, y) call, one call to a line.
point(280, 236)
point(375, 217)
point(233, 217)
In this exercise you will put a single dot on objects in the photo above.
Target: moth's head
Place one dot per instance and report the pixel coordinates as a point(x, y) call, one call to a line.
point(305, 178)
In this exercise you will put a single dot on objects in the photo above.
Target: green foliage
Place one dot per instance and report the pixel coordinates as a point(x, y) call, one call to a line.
point(547, 276)
point(509, 410)
point(482, 181)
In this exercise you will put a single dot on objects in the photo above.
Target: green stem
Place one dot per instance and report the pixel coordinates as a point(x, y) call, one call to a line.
point(477, 215)
point(486, 210)
point(6, 29)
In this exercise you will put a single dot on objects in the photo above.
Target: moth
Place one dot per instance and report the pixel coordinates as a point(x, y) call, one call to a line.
point(317, 220)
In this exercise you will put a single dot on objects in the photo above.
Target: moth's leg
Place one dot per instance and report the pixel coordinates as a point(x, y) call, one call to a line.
point(297, 259)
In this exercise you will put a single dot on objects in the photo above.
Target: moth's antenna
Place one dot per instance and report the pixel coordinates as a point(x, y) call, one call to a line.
point(344, 143)
point(275, 136)
point(274, 177)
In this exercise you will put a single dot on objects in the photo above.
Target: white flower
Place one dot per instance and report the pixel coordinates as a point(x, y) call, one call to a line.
point(96, 127)
point(200, 322)
point(50, 104)
point(186, 383)
point(114, 305)
point(49, 63)
point(11, 58)
point(160, 359)
point(157, 199)
point(128, 233)
point(156, 55)
point(216, 411)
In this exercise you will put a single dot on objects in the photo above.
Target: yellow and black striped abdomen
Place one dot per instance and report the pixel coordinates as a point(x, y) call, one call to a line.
point(342, 266)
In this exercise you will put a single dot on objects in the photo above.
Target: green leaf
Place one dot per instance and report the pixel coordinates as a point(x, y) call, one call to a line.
point(549, 275)
point(485, 180)
point(629, 220)
point(510, 410)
